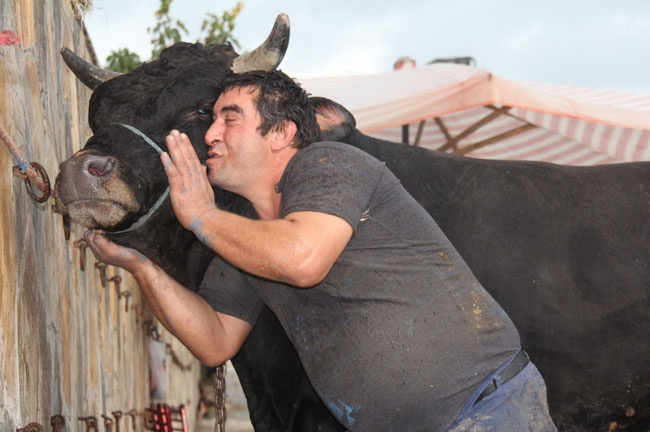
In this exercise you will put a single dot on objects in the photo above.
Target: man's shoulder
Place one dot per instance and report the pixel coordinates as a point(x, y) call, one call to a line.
point(334, 147)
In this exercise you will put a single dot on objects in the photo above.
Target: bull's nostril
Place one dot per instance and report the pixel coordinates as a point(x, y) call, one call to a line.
point(100, 167)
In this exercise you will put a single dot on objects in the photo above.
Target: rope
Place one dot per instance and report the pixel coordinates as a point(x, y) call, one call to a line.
point(33, 174)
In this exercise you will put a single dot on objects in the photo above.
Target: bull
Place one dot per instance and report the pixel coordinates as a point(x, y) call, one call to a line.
point(563, 249)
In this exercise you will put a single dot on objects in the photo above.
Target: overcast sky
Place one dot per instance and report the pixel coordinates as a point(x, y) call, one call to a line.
point(595, 44)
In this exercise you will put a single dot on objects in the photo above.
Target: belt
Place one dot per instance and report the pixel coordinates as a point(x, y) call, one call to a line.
point(516, 365)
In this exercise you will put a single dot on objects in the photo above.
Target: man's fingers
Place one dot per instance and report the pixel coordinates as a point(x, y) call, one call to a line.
point(183, 163)
point(182, 155)
point(181, 148)
point(95, 241)
point(168, 165)
point(186, 147)
point(173, 149)
point(111, 253)
point(90, 236)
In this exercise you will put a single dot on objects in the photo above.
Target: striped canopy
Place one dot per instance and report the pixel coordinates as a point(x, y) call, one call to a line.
point(470, 111)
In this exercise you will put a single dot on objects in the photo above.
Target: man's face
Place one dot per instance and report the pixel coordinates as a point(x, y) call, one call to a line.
point(236, 150)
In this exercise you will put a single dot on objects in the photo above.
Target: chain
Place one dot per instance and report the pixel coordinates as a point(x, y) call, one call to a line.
point(220, 399)
point(152, 331)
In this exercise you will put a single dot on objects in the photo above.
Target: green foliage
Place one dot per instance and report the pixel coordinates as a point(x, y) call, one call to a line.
point(123, 60)
point(219, 29)
point(167, 31)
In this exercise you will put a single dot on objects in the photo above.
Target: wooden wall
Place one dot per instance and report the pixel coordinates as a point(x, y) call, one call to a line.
point(67, 344)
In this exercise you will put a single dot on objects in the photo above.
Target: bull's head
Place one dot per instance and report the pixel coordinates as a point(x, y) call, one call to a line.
point(117, 180)
point(116, 183)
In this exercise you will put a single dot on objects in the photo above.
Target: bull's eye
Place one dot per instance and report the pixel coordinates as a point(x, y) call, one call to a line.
point(204, 112)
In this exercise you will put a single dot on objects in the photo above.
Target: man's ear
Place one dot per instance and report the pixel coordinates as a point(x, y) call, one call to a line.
point(284, 135)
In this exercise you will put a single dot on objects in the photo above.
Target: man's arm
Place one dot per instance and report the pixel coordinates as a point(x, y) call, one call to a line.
point(299, 249)
point(211, 336)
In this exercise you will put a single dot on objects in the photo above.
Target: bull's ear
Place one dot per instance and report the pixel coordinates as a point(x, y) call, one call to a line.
point(268, 55)
point(89, 74)
point(335, 121)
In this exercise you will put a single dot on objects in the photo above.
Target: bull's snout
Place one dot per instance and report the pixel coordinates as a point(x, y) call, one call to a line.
point(99, 167)
point(90, 190)
point(84, 177)
point(90, 165)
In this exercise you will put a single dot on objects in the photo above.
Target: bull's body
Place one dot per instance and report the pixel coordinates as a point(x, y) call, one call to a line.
point(564, 250)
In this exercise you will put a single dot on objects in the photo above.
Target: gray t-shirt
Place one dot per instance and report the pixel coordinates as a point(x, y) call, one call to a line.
point(400, 334)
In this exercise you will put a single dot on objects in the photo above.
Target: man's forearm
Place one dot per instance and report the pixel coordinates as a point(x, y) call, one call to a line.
point(265, 248)
point(299, 249)
point(186, 315)
point(210, 336)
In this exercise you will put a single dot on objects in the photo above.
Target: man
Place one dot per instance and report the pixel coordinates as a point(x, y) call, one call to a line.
point(392, 328)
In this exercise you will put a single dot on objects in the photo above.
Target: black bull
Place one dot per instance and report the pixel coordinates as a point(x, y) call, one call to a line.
point(565, 250)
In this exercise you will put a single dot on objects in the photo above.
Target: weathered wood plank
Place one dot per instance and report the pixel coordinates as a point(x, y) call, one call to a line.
point(67, 344)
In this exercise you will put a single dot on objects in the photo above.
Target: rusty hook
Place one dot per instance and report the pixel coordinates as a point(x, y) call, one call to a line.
point(82, 245)
point(126, 294)
point(153, 331)
point(140, 311)
point(33, 173)
point(32, 427)
point(117, 280)
point(133, 414)
point(57, 422)
point(65, 219)
point(102, 273)
point(136, 308)
point(91, 423)
point(118, 416)
point(35, 178)
point(108, 423)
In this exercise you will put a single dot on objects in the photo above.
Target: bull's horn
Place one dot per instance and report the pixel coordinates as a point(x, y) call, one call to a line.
point(268, 55)
point(89, 74)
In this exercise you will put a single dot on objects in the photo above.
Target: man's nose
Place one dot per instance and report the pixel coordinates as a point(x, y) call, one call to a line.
point(213, 134)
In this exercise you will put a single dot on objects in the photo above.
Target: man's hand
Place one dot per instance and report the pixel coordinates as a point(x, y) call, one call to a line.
point(189, 188)
point(212, 337)
point(110, 253)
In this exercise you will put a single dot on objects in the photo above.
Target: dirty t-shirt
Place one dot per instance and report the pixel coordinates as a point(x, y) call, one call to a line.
point(399, 334)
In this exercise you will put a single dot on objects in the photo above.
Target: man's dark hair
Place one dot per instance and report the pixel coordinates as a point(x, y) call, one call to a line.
point(279, 98)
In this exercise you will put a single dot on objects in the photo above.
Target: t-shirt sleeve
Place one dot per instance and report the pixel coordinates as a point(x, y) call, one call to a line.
point(228, 290)
point(330, 178)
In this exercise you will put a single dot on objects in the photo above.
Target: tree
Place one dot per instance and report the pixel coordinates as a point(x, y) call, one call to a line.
point(168, 31)
point(123, 60)
point(219, 29)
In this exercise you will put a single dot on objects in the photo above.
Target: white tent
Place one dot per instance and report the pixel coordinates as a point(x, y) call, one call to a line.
point(471, 111)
